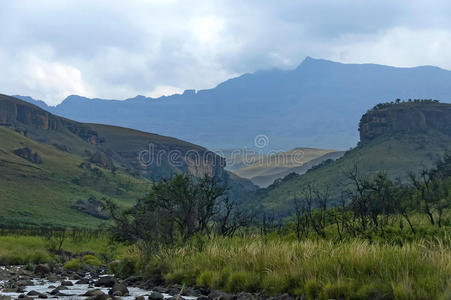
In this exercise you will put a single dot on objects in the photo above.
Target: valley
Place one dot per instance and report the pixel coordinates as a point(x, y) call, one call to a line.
point(170, 219)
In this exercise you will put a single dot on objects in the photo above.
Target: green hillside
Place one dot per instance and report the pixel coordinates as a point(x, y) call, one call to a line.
point(45, 193)
point(395, 139)
point(56, 171)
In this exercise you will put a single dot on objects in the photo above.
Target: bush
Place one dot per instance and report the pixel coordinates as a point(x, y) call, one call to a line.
point(73, 264)
point(206, 278)
point(91, 260)
point(127, 266)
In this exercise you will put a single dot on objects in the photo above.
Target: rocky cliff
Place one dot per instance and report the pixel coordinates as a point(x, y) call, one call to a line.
point(406, 117)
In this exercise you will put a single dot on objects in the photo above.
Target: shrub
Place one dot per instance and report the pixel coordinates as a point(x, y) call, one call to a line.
point(206, 278)
point(127, 266)
point(91, 260)
point(73, 264)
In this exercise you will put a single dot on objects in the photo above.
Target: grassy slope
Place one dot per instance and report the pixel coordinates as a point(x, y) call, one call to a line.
point(277, 163)
point(266, 180)
point(43, 194)
point(395, 155)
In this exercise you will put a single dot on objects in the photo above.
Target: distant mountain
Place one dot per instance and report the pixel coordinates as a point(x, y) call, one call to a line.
point(394, 138)
point(317, 104)
point(55, 171)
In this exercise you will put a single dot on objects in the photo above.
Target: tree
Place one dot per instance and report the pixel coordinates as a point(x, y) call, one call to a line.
point(178, 207)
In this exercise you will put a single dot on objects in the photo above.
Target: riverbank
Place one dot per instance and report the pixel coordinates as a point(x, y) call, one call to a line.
point(243, 267)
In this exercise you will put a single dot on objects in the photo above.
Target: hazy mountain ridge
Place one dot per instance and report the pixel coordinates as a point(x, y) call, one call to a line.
point(317, 104)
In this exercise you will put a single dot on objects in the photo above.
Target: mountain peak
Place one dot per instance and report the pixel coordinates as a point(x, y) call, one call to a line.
point(310, 62)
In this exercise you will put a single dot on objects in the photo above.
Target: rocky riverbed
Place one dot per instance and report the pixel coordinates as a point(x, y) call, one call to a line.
point(43, 282)
point(16, 282)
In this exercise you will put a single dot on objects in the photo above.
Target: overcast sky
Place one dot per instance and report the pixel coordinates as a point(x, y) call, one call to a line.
point(50, 49)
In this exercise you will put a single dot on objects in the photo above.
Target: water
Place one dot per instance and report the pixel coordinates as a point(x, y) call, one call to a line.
point(75, 291)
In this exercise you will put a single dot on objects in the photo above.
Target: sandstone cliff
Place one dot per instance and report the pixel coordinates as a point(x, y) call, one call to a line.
point(407, 117)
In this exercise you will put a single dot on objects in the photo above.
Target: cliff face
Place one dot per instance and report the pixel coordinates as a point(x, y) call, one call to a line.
point(407, 117)
point(12, 112)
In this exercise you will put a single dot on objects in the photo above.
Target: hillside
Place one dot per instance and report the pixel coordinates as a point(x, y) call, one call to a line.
point(266, 180)
point(317, 104)
point(55, 171)
point(395, 139)
point(264, 169)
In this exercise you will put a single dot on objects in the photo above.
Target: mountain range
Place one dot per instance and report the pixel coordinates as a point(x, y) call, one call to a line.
point(316, 104)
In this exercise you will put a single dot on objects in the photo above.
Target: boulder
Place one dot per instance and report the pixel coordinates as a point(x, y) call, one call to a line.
point(83, 281)
point(246, 296)
point(93, 293)
point(218, 295)
point(42, 269)
point(99, 297)
point(33, 293)
point(119, 288)
point(106, 281)
point(67, 283)
point(25, 283)
point(155, 296)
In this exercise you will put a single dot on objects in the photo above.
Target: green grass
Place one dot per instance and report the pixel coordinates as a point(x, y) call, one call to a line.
point(22, 250)
point(350, 270)
point(324, 269)
point(43, 194)
point(396, 155)
point(25, 249)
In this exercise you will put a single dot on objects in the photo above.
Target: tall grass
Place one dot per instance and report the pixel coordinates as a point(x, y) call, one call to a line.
point(314, 268)
point(19, 249)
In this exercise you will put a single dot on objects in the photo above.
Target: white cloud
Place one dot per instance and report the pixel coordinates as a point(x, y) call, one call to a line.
point(117, 49)
point(400, 46)
point(165, 90)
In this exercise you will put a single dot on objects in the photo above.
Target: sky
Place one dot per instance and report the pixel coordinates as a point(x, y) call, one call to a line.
point(50, 49)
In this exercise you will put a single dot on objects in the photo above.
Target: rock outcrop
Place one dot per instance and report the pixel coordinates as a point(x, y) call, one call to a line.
point(102, 160)
point(407, 117)
point(91, 207)
point(29, 155)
